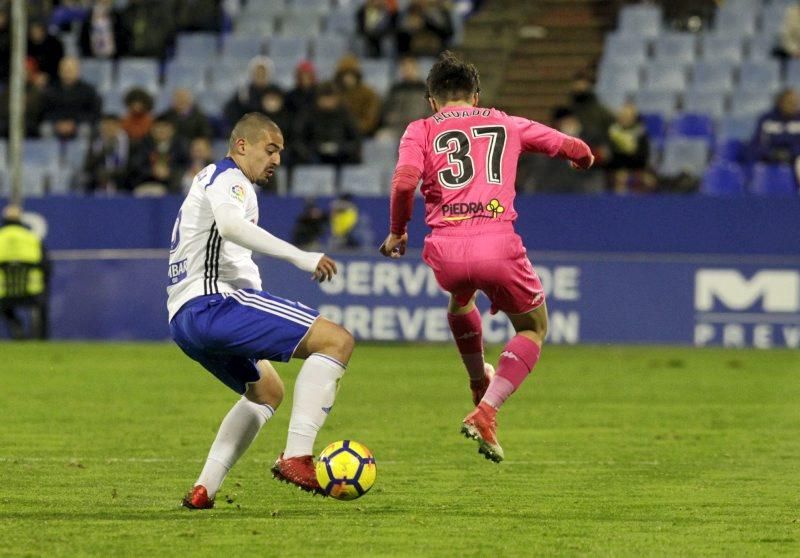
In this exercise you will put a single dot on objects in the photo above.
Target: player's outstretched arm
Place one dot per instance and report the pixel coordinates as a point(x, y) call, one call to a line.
point(401, 205)
point(235, 228)
point(578, 153)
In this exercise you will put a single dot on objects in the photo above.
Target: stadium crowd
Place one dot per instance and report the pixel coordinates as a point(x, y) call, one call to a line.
point(136, 95)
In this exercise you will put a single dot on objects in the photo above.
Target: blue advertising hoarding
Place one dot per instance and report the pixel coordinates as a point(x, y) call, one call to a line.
point(592, 298)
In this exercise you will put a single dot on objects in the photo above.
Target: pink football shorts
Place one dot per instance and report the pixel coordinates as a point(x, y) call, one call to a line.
point(466, 259)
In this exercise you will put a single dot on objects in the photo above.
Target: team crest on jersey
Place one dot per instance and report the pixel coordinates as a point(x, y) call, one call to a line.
point(237, 192)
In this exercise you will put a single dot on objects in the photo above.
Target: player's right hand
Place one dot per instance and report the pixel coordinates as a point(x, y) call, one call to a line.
point(326, 269)
point(395, 245)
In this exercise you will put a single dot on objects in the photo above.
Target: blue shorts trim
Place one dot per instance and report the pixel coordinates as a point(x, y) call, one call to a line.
point(228, 333)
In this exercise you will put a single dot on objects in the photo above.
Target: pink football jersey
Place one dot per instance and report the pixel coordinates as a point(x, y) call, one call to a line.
point(468, 160)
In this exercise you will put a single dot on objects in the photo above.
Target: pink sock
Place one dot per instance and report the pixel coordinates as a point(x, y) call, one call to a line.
point(518, 358)
point(468, 332)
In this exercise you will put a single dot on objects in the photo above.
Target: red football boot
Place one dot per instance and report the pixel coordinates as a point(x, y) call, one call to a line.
point(298, 471)
point(479, 387)
point(480, 425)
point(198, 499)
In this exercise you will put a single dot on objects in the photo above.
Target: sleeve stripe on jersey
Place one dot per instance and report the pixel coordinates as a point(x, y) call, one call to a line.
point(212, 261)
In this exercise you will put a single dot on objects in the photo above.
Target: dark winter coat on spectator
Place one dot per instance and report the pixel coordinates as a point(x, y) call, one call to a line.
point(47, 55)
point(329, 137)
point(148, 28)
point(404, 104)
point(77, 102)
point(148, 155)
point(193, 124)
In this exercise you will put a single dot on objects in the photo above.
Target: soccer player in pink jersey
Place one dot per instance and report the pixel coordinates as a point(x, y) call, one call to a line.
point(466, 156)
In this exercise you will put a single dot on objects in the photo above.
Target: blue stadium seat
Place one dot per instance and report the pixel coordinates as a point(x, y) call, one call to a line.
point(189, 75)
point(380, 152)
point(612, 97)
point(112, 102)
point(720, 47)
point(793, 73)
point(34, 179)
point(761, 47)
point(704, 102)
point(212, 101)
point(3, 153)
point(656, 101)
point(656, 127)
point(377, 74)
point(227, 77)
point(723, 179)
point(284, 75)
point(260, 8)
point(313, 180)
point(41, 152)
point(665, 76)
point(621, 77)
point(260, 27)
point(772, 19)
point(737, 127)
point(98, 72)
point(675, 48)
point(291, 49)
point(773, 180)
point(75, 152)
point(641, 19)
point(622, 48)
point(5, 182)
point(761, 75)
point(341, 20)
point(363, 180)
point(684, 155)
point(425, 63)
point(712, 76)
point(750, 102)
point(137, 72)
point(300, 25)
point(741, 24)
point(330, 46)
point(693, 125)
point(242, 46)
point(319, 7)
point(191, 46)
point(731, 150)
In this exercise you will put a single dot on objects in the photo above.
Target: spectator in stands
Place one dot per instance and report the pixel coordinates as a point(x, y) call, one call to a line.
point(361, 100)
point(309, 226)
point(301, 100)
point(100, 31)
point(71, 106)
point(34, 103)
point(139, 117)
point(406, 99)
point(5, 45)
point(248, 97)
point(272, 104)
point(106, 165)
point(629, 150)
point(158, 163)
point(344, 220)
point(200, 156)
point(328, 135)
point(594, 116)
point(545, 175)
point(777, 134)
point(789, 46)
point(375, 21)
point(199, 15)
point(188, 120)
point(425, 28)
point(148, 28)
point(45, 49)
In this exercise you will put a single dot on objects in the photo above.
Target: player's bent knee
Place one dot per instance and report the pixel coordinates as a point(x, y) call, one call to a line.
point(329, 339)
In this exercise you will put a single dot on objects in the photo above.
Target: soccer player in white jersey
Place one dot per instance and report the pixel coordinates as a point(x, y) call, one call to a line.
point(220, 317)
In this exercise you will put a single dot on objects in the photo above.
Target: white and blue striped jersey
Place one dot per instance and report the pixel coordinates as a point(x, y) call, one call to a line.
point(200, 261)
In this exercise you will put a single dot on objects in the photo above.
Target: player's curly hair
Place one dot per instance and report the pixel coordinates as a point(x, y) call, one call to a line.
point(452, 79)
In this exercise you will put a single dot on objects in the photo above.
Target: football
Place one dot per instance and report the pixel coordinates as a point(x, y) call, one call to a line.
point(346, 470)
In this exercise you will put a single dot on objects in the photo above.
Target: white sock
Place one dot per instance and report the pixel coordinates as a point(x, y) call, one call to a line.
point(314, 393)
point(238, 430)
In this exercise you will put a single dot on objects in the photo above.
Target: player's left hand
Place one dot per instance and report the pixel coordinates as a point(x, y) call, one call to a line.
point(395, 245)
point(326, 269)
point(583, 163)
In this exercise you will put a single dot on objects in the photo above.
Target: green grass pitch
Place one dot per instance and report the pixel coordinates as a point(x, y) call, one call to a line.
point(610, 451)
